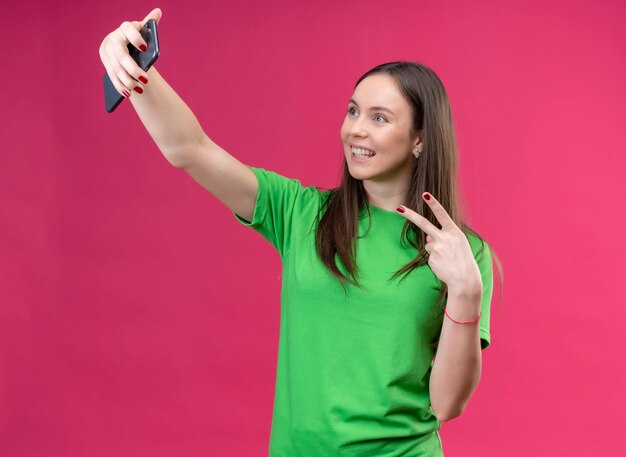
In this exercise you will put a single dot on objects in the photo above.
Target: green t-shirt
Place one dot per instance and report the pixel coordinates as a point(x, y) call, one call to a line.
point(353, 370)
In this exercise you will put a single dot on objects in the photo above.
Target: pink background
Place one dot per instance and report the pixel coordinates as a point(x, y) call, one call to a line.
point(137, 317)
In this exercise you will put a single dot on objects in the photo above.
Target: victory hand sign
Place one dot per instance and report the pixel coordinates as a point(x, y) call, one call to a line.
point(450, 254)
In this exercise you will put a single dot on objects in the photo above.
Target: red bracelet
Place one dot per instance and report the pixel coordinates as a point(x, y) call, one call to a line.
point(468, 322)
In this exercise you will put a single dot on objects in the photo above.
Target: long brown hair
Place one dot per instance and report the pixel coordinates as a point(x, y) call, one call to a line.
point(434, 171)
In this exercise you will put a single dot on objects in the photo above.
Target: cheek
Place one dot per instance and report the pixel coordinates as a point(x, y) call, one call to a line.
point(398, 140)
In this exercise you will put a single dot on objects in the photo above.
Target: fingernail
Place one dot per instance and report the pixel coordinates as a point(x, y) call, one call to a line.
point(143, 47)
point(400, 209)
point(139, 89)
point(126, 93)
point(426, 195)
point(143, 79)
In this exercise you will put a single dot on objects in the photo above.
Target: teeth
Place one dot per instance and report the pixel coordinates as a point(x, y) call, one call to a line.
point(360, 152)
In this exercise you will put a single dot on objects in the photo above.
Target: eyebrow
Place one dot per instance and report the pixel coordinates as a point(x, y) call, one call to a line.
point(374, 108)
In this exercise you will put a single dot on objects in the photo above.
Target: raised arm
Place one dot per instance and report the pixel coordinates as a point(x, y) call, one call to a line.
point(173, 126)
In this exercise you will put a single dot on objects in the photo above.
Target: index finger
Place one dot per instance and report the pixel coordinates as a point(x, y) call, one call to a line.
point(420, 221)
point(132, 34)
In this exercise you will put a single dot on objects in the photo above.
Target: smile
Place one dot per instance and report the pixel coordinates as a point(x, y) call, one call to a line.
point(361, 153)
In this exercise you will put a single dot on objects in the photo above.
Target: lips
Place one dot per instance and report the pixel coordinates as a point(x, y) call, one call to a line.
point(362, 155)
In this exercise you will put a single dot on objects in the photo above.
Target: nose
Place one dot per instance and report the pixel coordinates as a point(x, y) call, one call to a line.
point(357, 128)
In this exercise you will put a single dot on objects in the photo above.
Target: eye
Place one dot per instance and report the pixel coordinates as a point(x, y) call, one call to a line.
point(350, 110)
point(380, 116)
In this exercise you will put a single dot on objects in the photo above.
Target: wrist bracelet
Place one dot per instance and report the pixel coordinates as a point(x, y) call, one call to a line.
point(458, 322)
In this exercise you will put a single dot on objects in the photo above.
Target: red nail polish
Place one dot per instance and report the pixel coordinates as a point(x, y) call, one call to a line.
point(400, 209)
point(143, 47)
point(126, 93)
point(427, 196)
point(143, 79)
point(138, 89)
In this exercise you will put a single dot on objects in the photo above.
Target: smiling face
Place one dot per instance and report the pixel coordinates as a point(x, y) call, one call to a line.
point(376, 133)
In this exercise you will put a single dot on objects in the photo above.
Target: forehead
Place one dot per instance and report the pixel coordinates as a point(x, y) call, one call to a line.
point(380, 90)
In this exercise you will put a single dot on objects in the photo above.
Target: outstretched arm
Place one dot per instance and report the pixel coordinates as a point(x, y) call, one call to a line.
point(172, 125)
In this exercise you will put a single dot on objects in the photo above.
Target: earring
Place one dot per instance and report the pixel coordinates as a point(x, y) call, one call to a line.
point(416, 152)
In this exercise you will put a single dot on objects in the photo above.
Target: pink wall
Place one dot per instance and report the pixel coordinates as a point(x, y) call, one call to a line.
point(137, 317)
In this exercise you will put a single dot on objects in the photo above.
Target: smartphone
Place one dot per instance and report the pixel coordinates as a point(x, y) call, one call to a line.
point(145, 60)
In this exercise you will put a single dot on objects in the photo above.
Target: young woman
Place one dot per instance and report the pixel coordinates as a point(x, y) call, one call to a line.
point(386, 292)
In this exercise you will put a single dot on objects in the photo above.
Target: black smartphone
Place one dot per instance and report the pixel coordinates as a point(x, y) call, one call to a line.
point(144, 59)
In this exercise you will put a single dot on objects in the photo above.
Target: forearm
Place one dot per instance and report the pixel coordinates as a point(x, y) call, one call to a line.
point(458, 361)
point(169, 121)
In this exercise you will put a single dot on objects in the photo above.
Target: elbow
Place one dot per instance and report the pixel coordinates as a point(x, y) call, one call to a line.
point(447, 417)
point(448, 414)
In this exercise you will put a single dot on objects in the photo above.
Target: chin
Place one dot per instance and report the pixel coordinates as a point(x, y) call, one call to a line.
point(359, 174)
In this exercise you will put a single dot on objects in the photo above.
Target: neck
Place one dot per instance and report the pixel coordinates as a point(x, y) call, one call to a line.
point(387, 196)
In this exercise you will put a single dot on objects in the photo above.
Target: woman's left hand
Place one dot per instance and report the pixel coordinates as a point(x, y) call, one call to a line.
point(450, 254)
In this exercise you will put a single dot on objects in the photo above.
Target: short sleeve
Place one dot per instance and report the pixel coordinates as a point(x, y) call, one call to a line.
point(482, 254)
point(279, 204)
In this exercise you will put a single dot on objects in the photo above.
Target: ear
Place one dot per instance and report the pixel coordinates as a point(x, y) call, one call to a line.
point(418, 139)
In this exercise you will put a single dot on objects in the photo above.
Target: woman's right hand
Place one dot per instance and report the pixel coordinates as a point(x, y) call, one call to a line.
point(123, 71)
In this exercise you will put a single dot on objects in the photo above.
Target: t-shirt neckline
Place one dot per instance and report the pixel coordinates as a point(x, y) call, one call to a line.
point(384, 211)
